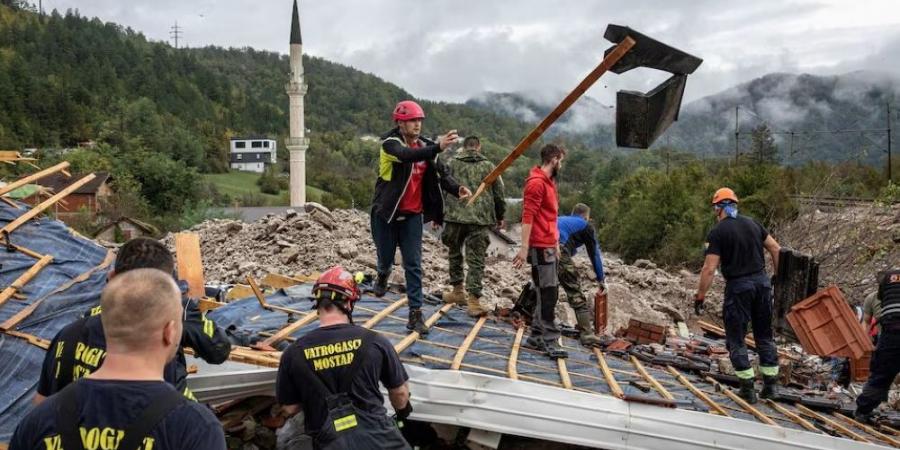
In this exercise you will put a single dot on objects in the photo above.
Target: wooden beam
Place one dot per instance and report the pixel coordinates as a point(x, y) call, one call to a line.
point(648, 378)
point(205, 304)
point(384, 313)
point(481, 368)
point(10, 202)
point(743, 403)
point(608, 375)
point(792, 415)
point(24, 278)
point(888, 430)
point(269, 343)
point(470, 338)
point(412, 337)
point(868, 429)
point(239, 291)
point(719, 331)
point(265, 305)
point(277, 281)
point(564, 373)
point(10, 227)
point(840, 428)
point(32, 339)
point(190, 263)
point(33, 177)
point(716, 408)
point(511, 370)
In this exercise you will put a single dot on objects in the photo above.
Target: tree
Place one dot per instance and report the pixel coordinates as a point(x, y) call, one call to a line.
point(762, 147)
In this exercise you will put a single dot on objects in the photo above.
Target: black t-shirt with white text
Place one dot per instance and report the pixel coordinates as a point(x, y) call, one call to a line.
point(332, 350)
point(108, 407)
point(739, 243)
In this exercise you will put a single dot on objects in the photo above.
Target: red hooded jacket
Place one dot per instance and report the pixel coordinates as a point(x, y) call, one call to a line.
point(540, 208)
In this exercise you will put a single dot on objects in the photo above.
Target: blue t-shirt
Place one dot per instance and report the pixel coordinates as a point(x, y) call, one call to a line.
point(108, 407)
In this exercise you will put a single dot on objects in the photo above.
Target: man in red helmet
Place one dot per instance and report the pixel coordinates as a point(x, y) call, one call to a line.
point(407, 195)
point(332, 375)
point(737, 243)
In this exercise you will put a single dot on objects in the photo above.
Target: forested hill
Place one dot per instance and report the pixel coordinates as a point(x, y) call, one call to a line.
point(65, 79)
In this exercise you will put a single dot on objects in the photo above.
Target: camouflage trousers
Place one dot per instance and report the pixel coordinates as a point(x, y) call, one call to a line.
point(570, 282)
point(475, 239)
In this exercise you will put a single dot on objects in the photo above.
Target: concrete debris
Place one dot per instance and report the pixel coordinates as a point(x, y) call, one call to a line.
point(309, 241)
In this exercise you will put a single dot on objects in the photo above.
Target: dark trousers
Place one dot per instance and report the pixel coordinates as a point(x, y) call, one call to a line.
point(882, 371)
point(749, 300)
point(544, 275)
point(405, 232)
point(474, 239)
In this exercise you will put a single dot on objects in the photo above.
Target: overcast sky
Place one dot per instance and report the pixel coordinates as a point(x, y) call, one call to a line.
point(454, 50)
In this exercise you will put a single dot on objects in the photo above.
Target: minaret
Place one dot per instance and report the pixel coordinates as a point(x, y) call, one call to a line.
point(297, 143)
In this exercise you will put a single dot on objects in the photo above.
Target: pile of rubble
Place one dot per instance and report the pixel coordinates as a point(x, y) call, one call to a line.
point(307, 242)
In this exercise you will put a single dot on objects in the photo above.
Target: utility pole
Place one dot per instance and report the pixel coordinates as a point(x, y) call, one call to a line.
point(890, 176)
point(736, 134)
point(175, 33)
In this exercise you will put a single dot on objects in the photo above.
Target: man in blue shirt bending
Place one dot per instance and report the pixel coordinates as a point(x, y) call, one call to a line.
point(576, 231)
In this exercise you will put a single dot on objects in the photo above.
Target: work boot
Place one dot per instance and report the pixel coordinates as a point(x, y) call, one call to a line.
point(770, 388)
point(862, 417)
point(416, 322)
point(473, 306)
point(457, 295)
point(586, 334)
point(380, 287)
point(551, 349)
point(748, 390)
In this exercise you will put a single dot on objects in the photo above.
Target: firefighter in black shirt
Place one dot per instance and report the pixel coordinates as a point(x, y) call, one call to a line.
point(332, 374)
point(886, 359)
point(737, 243)
point(61, 367)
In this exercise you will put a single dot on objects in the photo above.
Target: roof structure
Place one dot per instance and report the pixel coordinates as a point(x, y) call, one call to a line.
point(57, 182)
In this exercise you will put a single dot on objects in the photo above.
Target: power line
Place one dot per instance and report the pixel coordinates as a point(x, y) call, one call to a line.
point(175, 32)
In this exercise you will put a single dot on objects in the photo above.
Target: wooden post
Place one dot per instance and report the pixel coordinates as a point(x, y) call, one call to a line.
point(190, 263)
point(610, 379)
point(24, 278)
point(46, 204)
point(511, 370)
point(33, 177)
point(700, 394)
point(470, 338)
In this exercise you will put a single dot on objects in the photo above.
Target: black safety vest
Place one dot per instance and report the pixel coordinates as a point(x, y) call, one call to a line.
point(889, 295)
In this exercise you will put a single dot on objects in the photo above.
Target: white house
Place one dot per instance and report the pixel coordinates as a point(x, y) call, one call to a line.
point(252, 154)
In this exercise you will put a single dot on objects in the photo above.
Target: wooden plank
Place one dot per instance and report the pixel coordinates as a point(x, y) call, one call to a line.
point(716, 408)
point(270, 342)
point(24, 278)
point(32, 339)
point(277, 281)
point(33, 177)
point(190, 263)
point(470, 338)
point(840, 428)
point(608, 375)
point(206, 304)
point(511, 370)
point(743, 403)
point(888, 430)
point(10, 202)
point(792, 415)
point(33, 212)
point(608, 61)
point(239, 291)
point(646, 376)
point(564, 373)
point(869, 429)
point(412, 337)
point(384, 313)
point(719, 331)
point(261, 298)
point(481, 368)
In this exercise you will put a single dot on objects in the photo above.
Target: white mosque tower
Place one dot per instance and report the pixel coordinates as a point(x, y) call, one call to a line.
point(297, 143)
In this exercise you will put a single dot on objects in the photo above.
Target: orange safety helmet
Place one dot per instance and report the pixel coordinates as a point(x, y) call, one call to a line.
point(724, 194)
point(336, 284)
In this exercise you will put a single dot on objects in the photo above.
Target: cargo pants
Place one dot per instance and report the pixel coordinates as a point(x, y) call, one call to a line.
point(883, 369)
point(748, 299)
point(544, 275)
point(475, 240)
point(571, 283)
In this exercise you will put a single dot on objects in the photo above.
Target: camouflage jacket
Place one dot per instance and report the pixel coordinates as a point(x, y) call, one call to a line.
point(469, 167)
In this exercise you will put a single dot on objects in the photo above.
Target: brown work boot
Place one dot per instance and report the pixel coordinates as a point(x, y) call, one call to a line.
point(473, 306)
point(586, 335)
point(456, 295)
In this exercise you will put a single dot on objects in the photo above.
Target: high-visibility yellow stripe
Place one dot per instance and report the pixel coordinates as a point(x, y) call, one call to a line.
point(345, 422)
point(744, 374)
point(769, 371)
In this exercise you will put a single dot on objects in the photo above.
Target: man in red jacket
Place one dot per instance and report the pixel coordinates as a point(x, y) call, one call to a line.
point(540, 247)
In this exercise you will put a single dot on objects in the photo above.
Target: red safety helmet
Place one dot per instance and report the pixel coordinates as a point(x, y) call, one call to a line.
point(724, 194)
point(408, 110)
point(336, 284)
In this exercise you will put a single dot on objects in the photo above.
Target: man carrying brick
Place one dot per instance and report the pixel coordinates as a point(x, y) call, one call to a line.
point(737, 243)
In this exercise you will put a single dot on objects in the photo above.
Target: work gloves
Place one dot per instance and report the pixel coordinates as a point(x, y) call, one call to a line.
point(402, 414)
point(699, 304)
point(604, 288)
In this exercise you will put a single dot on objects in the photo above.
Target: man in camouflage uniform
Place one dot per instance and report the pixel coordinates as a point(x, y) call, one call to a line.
point(469, 226)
